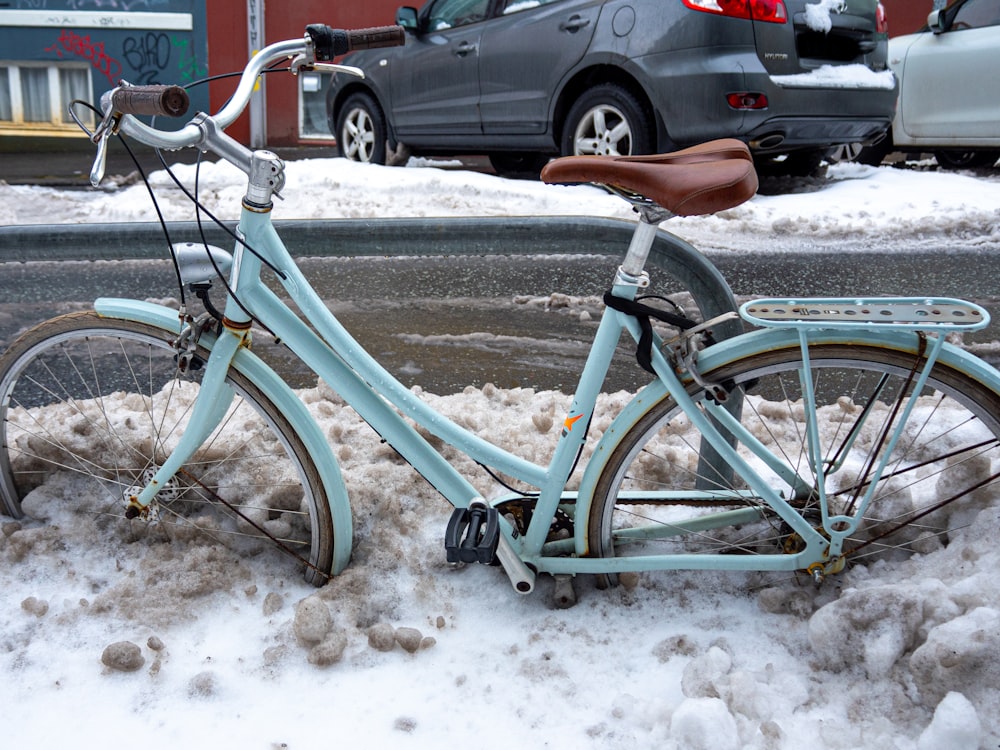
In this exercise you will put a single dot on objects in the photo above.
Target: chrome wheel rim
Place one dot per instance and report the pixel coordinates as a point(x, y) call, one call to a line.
point(603, 131)
point(358, 136)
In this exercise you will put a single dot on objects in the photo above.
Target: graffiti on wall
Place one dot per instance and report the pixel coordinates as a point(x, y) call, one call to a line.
point(188, 66)
point(69, 42)
point(147, 56)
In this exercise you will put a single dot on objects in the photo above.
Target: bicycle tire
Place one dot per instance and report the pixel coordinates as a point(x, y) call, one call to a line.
point(103, 400)
point(946, 461)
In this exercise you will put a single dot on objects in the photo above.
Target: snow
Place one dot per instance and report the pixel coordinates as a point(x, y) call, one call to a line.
point(403, 651)
point(818, 14)
point(856, 76)
point(955, 726)
point(856, 205)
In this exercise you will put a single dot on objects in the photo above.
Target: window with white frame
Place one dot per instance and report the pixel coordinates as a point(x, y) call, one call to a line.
point(36, 96)
point(313, 121)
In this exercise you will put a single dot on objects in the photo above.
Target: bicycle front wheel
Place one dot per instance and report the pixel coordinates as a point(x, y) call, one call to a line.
point(656, 497)
point(89, 409)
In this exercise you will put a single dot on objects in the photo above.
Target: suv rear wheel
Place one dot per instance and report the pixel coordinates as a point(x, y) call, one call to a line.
point(875, 155)
point(803, 163)
point(518, 164)
point(607, 120)
point(361, 131)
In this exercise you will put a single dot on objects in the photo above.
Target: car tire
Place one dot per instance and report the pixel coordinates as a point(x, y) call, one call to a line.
point(874, 155)
point(608, 120)
point(361, 130)
point(520, 165)
point(966, 159)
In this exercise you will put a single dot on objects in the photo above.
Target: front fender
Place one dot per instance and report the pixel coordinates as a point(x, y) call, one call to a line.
point(256, 370)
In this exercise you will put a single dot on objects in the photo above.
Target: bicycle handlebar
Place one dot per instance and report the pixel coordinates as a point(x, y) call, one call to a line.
point(320, 44)
point(330, 43)
point(170, 101)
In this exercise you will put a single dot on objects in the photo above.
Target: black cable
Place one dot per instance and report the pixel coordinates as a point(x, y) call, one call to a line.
point(159, 214)
point(221, 224)
point(200, 207)
point(76, 118)
point(145, 180)
point(503, 483)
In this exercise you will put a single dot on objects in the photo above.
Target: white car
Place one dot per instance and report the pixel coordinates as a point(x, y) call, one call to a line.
point(949, 88)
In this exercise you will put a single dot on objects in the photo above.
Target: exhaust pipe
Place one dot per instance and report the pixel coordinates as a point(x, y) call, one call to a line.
point(768, 142)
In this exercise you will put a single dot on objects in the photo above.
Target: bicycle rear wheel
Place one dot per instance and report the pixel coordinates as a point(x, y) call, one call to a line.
point(942, 471)
point(89, 409)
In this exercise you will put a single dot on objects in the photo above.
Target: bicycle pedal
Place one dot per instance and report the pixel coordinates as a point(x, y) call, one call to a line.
point(473, 535)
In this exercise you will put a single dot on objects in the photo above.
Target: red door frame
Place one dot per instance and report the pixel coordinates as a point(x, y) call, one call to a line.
point(228, 51)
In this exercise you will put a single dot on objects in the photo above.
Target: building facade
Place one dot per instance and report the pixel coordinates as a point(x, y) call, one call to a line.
point(55, 51)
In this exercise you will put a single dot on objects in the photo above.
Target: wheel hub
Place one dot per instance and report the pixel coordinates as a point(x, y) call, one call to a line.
point(169, 493)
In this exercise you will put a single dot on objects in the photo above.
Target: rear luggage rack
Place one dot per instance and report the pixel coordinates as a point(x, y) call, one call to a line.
point(915, 313)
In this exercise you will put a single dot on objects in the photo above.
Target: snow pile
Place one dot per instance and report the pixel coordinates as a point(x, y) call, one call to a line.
point(185, 641)
point(852, 204)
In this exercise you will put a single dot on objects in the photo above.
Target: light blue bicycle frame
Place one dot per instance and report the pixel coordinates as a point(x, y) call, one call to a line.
point(330, 351)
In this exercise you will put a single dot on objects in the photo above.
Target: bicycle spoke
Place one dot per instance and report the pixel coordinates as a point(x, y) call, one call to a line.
point(103, 400)
point(943, 443)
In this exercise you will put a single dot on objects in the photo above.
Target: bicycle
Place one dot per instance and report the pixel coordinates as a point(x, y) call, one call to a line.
point(836, 430)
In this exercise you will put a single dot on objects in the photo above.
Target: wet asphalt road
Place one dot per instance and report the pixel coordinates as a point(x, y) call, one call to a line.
point(445, 323)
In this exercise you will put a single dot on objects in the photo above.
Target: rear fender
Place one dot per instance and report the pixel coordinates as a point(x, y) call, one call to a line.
point(730, 350)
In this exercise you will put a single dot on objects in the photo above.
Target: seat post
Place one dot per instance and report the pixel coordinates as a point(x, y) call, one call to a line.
point(650, 216)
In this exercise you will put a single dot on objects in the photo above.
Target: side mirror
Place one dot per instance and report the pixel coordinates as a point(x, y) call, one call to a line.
point(407, 18)
point(936, 22)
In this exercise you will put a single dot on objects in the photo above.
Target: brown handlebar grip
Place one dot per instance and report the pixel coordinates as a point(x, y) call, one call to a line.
point(379, 36)
point(170, 101)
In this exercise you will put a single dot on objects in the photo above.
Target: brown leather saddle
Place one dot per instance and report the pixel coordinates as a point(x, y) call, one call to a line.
point(702, 179)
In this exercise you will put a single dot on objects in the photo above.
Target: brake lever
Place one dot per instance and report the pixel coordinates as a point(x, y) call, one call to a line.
point(100, 136)
point(304, 63)
point(100, 163)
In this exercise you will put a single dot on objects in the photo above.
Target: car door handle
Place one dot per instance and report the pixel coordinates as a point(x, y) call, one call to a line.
point(574, 24)
point(465, 49)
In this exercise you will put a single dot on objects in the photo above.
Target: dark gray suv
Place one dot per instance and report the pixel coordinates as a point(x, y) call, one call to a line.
point(525, 80)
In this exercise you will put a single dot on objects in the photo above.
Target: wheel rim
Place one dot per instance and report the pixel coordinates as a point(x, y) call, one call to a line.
point(603, 131)
point(845, 152)
point(943, 471)
point(99, 410)
point(358, 135)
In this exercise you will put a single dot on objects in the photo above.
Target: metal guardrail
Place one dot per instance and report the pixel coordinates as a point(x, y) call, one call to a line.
point(391, 237)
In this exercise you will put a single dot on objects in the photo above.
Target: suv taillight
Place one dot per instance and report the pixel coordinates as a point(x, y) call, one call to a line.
point(881, 20)
point(772, 11)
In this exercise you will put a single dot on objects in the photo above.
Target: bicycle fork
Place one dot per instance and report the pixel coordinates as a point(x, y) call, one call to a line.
point(211, 404)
